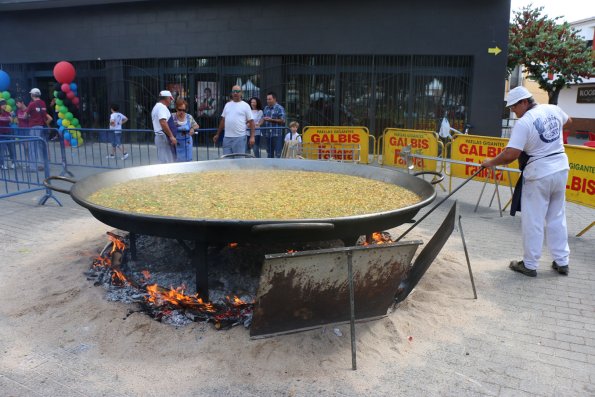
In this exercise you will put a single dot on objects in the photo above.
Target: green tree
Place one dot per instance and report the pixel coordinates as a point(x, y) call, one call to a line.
point(546, 48)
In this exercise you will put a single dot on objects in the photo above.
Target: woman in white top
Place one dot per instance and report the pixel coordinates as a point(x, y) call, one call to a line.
point(257, 115)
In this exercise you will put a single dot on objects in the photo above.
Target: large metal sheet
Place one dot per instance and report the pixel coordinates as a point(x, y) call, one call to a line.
point(309, 289)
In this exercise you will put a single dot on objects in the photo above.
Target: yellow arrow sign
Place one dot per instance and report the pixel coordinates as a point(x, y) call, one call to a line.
point(494, 50)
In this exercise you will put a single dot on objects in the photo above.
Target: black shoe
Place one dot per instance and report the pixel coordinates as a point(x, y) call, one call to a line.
point(561, 269)
point(519, 266)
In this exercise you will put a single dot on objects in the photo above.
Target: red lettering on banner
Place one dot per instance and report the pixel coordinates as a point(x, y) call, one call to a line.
point(420, 143)
point(335, 138)
point(394, 141)
point(582, 185)
point(480, 151)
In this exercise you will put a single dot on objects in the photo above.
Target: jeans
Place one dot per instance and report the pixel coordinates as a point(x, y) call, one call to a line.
point(234, 145)
point(36, 154)
point(255, 148)
point(274, 146)
point(8, 147)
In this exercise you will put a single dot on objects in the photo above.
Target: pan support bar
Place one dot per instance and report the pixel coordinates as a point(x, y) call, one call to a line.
point(467, 257)
point(351, 308)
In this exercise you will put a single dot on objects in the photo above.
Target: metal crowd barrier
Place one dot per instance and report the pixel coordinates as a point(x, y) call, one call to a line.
point(24, 165)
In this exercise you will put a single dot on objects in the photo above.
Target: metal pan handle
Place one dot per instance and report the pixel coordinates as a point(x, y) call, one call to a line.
point(237, 155)
point(298, 227)
point(46, 183)
point(435, 180)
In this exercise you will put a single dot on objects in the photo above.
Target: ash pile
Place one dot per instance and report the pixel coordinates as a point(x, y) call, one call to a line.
point(161, 280)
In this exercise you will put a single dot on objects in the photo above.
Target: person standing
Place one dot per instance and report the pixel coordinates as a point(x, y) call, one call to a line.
point(6, 134)
point(536, 141)
point(207, 108)
point(116, 120)
point(186, 127)
point(274, 116)
point(257, 115)
point(38, 120)
point(165, 140)
point(236, 115)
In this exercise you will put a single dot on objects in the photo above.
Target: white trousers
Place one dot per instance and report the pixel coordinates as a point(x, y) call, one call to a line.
point(543, 210)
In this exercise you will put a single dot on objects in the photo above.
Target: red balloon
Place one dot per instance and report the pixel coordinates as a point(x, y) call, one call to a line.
point(64, 72)
point(65, 87)
point(70, 95)
point(66, 143)
point(75, 100)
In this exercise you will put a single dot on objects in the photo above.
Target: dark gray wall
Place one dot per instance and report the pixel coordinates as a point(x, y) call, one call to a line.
point(172, 29)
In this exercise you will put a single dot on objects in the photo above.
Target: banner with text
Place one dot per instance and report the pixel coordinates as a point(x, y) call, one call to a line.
point(475, 149)
point(581, 177)
point(424, 143)
point(336, 143)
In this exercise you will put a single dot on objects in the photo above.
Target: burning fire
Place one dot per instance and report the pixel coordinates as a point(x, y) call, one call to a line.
point(161, 301)
point(378, 238)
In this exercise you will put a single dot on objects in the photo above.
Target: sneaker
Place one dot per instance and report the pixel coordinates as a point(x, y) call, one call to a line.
point(110, 156)
point(3, 167)
point(561, 269)
point(125, 156)
point(519, 266)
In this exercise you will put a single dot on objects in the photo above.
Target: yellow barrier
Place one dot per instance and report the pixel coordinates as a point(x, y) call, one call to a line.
point(424, 143)
point(475, 149)
point(336, 143)
point(581, 178)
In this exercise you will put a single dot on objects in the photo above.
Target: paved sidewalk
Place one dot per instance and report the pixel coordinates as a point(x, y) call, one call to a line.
point(542, 342)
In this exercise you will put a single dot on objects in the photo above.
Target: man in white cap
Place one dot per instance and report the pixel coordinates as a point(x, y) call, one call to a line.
point(38, 118)
point(536, 141)
point(165, 139)
point(236, 115)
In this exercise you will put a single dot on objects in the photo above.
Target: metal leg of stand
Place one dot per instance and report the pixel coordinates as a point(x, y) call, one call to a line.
point(467, 258)
point(585, 229)
point(480, 195)
point(199, 260)
point(351, 309)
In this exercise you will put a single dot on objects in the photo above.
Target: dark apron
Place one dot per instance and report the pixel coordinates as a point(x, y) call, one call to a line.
point(515, 205)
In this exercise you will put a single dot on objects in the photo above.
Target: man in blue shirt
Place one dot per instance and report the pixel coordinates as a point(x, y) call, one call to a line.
point(274, 116)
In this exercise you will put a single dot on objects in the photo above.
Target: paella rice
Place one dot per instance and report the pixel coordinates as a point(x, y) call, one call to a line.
point(254, 195)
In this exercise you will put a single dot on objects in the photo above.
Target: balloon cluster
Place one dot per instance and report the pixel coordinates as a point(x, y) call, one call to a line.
point(67, 104)
point(4, 94)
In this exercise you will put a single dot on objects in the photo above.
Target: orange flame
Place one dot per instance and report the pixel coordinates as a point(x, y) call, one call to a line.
point(118, 278)
point(379, 238)
point(117, 244)
point(176, 297)
point(233, 245)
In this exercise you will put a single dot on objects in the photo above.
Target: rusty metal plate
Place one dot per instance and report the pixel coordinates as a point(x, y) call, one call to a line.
point(305, 290)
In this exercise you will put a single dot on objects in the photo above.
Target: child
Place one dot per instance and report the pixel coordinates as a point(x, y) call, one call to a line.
point(115, 125)
point(293, 142)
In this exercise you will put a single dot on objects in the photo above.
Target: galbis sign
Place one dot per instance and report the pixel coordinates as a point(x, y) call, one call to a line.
point(586, 95)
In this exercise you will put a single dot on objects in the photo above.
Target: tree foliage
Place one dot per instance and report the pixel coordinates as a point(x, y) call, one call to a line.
point(552, 53)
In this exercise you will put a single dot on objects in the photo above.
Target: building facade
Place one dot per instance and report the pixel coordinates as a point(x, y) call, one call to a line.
point(378, 63)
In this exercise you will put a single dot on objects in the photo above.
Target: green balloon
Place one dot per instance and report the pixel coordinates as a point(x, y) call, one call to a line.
point(59, 102)
point(75, 122)
point(56, 95)
point(63, 109)
point(69, 116)
point(6, 95)
point(11, 102)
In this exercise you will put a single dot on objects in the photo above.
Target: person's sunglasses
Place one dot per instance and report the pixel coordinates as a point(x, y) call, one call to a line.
point(236, 91)
point(181, 110)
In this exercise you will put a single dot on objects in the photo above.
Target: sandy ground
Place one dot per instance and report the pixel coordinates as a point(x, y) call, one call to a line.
point(55, 322)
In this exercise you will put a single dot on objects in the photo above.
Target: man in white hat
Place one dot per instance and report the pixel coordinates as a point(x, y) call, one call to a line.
point(536, 140)
point(38, 118)
point(165, 139)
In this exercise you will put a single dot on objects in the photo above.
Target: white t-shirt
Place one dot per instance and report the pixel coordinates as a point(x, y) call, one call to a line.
point(236, 115)
point(539, 133)
point(115, 121)
point(257, 115)
point(160, 111)
point(293, 137)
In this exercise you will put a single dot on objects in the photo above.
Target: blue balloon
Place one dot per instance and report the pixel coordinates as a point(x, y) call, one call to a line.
point(61, 129)
point(67, 135)
point(73, 87)
point(74, 142)
point(59, 122)
point(4, 80)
